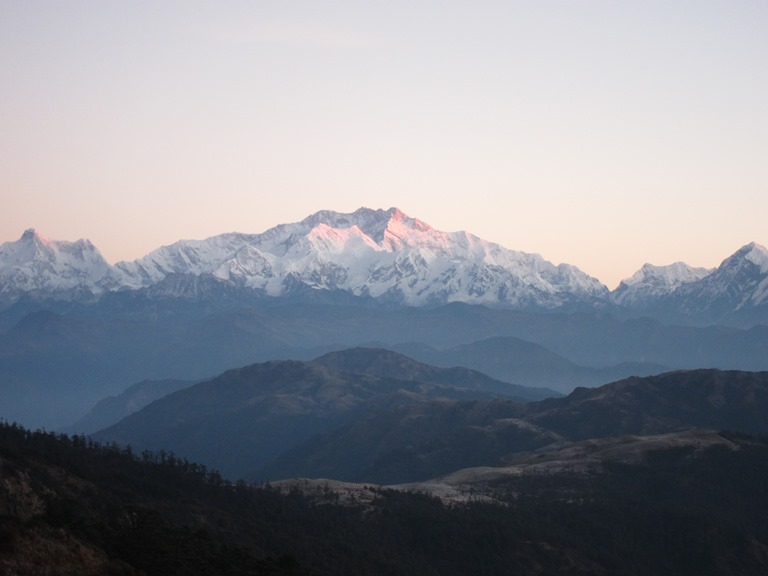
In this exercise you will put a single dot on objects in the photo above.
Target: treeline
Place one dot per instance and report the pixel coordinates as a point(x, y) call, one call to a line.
point(72, 506)
point(115, 512)
point(83, 455)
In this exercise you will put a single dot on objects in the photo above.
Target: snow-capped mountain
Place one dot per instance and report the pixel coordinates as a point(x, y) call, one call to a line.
point(374, 253)
point(739, 285)
point(385, 255)
point(42, 268)
point(651, 283)
point(736, 292)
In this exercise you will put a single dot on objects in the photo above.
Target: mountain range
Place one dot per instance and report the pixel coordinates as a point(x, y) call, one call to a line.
point(75, 330)
point(243, 418)
point(562, 427)
point(402, 421)
point(390, 257)
point(424, 441)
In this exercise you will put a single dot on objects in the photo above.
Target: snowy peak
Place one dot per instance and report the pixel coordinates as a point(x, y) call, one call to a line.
point(670, 276)
point(31, 246)
point(652, 282)
point(740, 282)
point(747, 266)
point(183, 257)
point(386, 228)
point(49, 268)
point(30, 235)
point(730, 293)
point(751, 253)
point(386, 253)
point(372, 253)
point(403, 231)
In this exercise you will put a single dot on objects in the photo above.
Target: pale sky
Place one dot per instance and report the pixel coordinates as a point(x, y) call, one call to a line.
point(605, 134)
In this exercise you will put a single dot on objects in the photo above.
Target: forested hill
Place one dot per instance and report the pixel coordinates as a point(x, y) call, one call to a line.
point(71, 506)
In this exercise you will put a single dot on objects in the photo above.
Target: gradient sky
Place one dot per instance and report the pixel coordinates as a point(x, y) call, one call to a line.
point(605, 134)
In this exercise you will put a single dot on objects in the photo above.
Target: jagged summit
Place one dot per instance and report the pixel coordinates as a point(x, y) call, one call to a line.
point(39, 267)
point(739, 283)
point(29, 234)
point(652, 282)
point(385, 255)
point(373, 253)
point(753, 253)
point(384, 227)
point(670, 275)
point(734, 292)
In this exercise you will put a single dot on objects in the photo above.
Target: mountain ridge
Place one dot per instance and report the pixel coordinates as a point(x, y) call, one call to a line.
point(250, 414)
point(391, 257)
point(411, 443)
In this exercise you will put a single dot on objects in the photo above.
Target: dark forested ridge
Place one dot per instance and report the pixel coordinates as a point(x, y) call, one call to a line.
point(421, 441)
point(71, 506)
point(287, 419)
point(245, 417)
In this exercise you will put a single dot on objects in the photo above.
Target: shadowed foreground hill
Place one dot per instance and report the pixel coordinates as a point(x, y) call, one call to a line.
point(245, 417)
point(718, 399)
point(68, 506)
point(420, 441)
